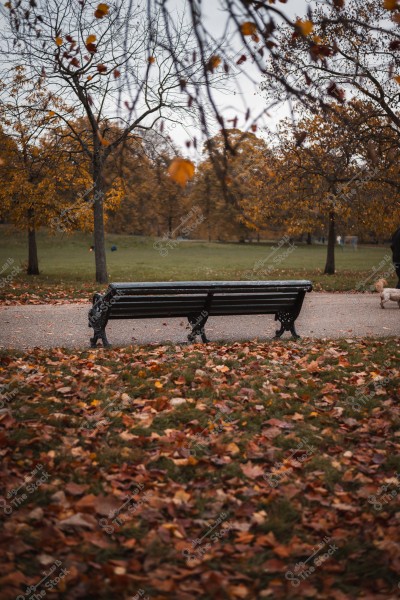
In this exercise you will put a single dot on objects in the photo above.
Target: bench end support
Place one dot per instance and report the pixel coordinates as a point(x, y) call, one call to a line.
point(98, 321)
point(197, 323)
point(287, 320)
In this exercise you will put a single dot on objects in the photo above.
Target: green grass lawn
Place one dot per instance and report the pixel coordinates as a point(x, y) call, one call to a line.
point(208, 472)
point(66, 263)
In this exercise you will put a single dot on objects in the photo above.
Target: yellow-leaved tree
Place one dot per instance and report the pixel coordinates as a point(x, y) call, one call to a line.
point(43, 183)
point(233, 186)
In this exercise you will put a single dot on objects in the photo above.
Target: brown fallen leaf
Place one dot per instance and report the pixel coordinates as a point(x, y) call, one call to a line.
point(252, 471)
point(75, 489)
point(106, 505)
point(79, 520)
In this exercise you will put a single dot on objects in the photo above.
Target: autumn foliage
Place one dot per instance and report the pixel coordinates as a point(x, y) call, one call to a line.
point(213, 471)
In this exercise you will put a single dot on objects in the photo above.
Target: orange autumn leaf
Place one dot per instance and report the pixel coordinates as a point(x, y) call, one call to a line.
point(181, 170)
point(152, 60)
point(59, 41)
point(305, 27)
point(248, 28)
point(397, 78)
point(102, 11)
point(102, 140)
point(213, 63)
point(390, 4)
point(90, 39)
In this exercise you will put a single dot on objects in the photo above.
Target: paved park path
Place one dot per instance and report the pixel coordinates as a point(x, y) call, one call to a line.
point(323, 316)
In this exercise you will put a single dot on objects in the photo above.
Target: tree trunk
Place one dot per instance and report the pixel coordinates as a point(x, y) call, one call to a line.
point(33, 262)
point(330, 257)
point(309, 239)
point(99, 238)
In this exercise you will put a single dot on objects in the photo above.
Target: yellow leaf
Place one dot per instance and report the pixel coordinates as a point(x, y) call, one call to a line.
point(305, 27)
point(90, 39)
point(95, 403)
point(248, 28)
point(233, 448)
point(181, 170)
point(59, 41)
point(181, 496)
point(158, 384)
point(102, 11)
point(390, 4)
point(313, 414)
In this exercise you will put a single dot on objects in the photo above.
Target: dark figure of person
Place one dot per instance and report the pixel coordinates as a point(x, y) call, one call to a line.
point(395, 247)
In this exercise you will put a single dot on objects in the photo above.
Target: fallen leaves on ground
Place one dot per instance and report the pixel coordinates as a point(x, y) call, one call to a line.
point(249, 460)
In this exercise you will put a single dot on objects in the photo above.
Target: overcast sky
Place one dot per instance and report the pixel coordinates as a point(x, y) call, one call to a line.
point(245, 91)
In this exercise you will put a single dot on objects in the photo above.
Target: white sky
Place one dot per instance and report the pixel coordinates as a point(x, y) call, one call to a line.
point(246, 93)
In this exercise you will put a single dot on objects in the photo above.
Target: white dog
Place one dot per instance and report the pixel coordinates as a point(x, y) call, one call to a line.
point(387, 293)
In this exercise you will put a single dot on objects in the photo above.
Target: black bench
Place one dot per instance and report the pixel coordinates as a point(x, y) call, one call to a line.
point(198, 300)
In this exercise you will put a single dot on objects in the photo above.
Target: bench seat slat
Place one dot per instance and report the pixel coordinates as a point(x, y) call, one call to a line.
point(242, 310)
point(188, 298)
point(191, 306)
point(208, 284)
point(184, 310)
point(186, 287)
point(199, 300)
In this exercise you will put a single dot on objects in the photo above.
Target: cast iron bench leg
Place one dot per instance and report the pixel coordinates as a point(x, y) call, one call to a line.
point(287, 320)
point(197, 323)
point(99, 334)
point(203, 336)
point(98, 321)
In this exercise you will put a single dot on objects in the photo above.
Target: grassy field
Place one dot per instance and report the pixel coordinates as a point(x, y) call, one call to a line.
point(67, 265)
point(212, 472)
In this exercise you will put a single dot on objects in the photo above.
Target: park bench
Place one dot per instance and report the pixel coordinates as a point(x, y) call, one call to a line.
point(198, 300)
